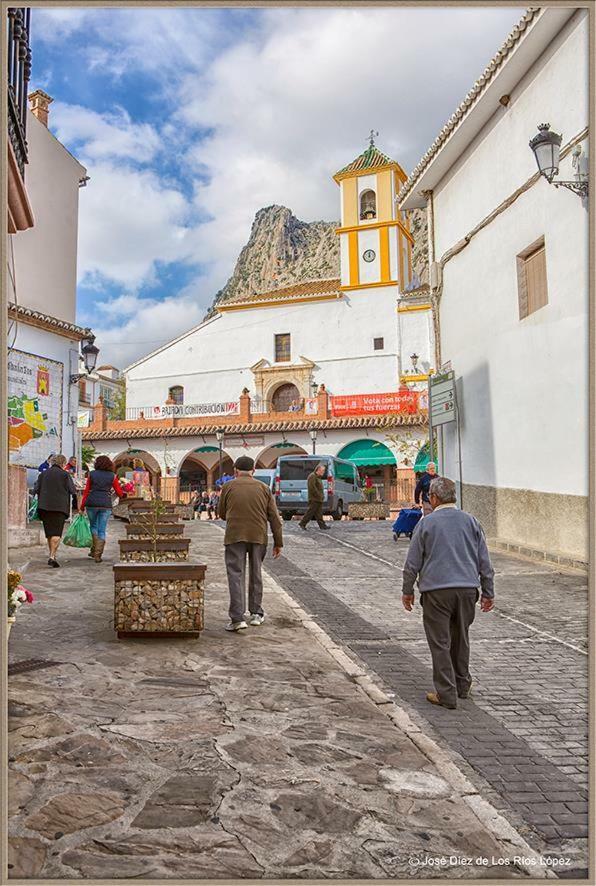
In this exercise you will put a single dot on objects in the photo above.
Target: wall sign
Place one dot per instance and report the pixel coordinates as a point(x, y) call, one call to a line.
point(34, 408)
point(183, 410)
point(376, 404)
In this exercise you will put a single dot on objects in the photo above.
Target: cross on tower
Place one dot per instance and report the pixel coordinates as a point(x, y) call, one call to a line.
point(371, 137)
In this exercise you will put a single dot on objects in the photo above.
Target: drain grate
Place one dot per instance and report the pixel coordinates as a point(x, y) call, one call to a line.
point(32, 664)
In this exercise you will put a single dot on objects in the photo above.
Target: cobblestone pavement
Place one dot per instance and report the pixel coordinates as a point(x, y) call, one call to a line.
point(251, 755)
point(523, 735)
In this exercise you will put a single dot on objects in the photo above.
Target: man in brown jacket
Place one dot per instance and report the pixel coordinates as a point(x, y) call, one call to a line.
point(247, 506)
point(316, 497)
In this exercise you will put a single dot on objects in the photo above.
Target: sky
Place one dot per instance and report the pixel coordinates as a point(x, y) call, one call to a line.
point(189, 120)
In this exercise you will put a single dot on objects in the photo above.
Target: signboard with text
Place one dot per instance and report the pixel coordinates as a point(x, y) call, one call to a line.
point(404, 402)
point(442, 398)
point(195, 410)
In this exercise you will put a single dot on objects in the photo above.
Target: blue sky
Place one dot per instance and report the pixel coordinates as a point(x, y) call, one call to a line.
point(189, 120)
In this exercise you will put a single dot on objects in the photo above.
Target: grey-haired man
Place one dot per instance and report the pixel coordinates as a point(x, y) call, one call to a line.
point(449, 557)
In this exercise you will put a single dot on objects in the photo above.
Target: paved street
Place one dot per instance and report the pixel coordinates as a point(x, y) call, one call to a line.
point(523, 735)
point(257, 755)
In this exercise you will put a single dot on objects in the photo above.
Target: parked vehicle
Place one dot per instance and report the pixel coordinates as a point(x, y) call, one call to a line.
point(266, 476)
point(341, 484)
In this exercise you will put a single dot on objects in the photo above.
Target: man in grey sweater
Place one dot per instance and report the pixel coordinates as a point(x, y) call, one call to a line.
point(449, 557)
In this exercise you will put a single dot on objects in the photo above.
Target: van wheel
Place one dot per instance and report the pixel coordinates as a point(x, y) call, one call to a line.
point(287, 515)
point(338, 514)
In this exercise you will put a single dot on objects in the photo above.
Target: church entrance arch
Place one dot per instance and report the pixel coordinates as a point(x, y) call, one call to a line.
point(285, 397)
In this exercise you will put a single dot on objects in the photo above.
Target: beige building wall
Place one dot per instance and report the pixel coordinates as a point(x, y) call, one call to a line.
point(46, 255)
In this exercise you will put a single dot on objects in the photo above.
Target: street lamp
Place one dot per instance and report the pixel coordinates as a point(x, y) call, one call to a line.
point(546, 146)
point(313, 437)
point(315, 389)
point(414, 359)
point(219, 435)
point(89, 353)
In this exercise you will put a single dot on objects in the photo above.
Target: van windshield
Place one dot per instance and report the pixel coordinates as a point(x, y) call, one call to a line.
point(298, 468)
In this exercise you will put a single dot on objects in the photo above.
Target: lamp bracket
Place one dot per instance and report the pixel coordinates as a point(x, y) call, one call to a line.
point(578, 187)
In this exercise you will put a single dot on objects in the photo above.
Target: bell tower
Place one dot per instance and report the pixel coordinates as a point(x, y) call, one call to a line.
point(375, 238)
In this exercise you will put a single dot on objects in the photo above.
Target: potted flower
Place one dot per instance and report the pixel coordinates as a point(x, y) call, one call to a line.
point(17, 595)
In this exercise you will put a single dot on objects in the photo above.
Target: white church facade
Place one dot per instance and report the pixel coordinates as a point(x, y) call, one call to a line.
point(344, 361)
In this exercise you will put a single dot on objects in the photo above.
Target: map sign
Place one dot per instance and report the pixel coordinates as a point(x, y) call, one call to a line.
point(34, 408)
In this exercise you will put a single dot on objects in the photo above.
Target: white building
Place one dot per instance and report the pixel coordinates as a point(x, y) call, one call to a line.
point(509, 271)
point(43, 338)
point(338, 336)
point(106, 382)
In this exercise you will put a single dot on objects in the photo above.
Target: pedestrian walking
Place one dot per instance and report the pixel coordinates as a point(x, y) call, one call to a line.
point(247, 506)
point(449, 557)
point(421, 495)
point(71, 468)
point(316, 497)
point(97, 500)
point(47, 463)
point(54, 488)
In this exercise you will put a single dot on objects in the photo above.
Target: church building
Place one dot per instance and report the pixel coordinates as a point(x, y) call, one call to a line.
point(336, 365)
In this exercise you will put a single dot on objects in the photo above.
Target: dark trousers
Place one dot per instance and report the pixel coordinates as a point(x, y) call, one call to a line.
point(447, 614)
point(235, 557)
point(314, 512)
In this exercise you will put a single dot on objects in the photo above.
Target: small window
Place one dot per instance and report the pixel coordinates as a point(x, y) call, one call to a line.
point(368, 205)
point(532, 289)
point(379, 344)
point(283, 348)
point(177, 394)
point(82, 390)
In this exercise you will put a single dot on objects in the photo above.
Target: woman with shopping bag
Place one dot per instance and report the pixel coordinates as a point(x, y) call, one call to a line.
point(97, 501)
point(54, 489)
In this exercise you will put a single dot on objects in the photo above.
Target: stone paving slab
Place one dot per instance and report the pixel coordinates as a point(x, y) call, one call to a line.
point(524, 735)
point(228, 756)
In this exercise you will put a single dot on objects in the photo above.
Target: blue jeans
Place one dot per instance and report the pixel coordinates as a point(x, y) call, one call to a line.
point(98, 518)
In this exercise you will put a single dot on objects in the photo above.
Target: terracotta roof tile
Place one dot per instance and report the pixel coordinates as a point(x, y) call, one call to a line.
point(368, 421)
point(37, 318)
point(295, 292)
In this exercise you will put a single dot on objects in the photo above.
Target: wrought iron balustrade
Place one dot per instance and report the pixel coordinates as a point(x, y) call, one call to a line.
point(19, 72)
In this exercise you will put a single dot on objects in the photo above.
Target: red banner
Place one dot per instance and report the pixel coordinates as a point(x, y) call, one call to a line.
point(404, 402)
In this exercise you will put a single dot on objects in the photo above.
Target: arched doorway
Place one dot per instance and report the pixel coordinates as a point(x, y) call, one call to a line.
point(286, 398)
point(199, 470)
point(375, 460)
point(268, 457)
point(126, 462)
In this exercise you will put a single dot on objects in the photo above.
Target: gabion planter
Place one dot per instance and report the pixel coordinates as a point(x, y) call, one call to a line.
point(158, 598)
point(142, 550)
point(379, 510)
point(141, 519)
point(147, 507)
point(161, 530)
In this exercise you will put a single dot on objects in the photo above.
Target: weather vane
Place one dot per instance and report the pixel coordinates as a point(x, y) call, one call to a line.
point(371, 137)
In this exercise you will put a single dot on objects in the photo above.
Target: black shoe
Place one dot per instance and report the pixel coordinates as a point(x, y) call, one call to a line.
point(53, 563)
point(302, 527)
point(324, 528)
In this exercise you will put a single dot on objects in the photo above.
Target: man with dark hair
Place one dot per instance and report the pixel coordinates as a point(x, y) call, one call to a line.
point(316, 497)
point(449, 557)
point(247, 506)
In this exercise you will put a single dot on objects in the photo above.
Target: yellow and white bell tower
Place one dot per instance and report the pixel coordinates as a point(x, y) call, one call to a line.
point(375, 239)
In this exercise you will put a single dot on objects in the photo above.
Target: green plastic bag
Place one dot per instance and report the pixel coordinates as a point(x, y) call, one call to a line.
point(78, 534)
point(32, 512)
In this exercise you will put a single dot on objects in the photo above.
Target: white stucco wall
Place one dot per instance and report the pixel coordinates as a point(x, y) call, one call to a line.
point(523, 383)
point(46, 255)
point(213, 362)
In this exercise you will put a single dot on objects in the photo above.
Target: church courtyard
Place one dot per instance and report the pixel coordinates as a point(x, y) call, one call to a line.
point(304, 747)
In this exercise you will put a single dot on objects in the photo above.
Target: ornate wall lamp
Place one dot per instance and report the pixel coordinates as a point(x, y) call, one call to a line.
point(546, 146)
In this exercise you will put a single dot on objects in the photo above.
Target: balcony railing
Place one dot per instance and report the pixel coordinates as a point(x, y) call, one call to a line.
point(19, 72)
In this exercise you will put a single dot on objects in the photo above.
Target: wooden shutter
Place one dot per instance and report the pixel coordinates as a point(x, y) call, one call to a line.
point(531, 280)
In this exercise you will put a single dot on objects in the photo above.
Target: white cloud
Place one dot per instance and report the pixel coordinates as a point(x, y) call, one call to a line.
point(97, 136)
point(129, 221)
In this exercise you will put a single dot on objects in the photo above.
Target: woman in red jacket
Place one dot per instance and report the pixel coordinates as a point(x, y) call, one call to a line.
point(97, 500)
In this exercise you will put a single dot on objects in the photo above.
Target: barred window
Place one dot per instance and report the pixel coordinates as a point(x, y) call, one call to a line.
point(177, 394)
point(378, 344)
point(283, 348)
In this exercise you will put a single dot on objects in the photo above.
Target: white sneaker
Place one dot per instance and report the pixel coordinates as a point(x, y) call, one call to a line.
point(256, 620)
point(236, 626)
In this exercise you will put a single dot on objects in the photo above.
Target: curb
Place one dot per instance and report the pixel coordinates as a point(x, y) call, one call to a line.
point(484, 811)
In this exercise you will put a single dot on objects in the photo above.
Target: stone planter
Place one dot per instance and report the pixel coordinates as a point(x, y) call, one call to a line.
point(162, 530)
point(158, 598)
point(359, 510)
point(140, 519)
point(140, 550)
point(147, 507)
point(10, 620)
point(185, 512)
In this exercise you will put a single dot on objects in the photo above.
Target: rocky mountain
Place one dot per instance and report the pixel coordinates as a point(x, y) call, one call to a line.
point(282, 250)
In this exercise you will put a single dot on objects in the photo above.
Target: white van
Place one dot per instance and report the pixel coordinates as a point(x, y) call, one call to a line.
point(341, 484)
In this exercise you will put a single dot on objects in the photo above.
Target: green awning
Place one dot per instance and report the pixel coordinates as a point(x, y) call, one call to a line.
point(286, 445)
point(422, 459)
point(367, 453)
point(206, 449)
